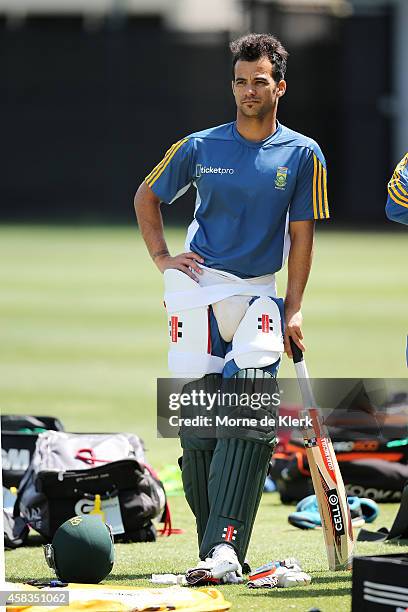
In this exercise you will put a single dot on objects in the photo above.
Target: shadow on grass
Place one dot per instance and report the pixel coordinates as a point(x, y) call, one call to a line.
point(296, 593)
point(326, 579)
point(24, 579)
point(116, 577)
point(35, 540)
point(399, 542)
point(116, 580)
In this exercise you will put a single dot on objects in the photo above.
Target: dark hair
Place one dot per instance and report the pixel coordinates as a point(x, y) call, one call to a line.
point(254, 46)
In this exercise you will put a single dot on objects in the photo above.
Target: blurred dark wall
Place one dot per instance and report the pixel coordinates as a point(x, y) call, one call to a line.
point(87, 113)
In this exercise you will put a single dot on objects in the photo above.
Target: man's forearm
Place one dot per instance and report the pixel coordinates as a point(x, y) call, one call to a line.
point(149, 218)
point(299, 265)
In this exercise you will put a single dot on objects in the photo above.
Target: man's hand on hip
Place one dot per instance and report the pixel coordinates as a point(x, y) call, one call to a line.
point(185, 262)
point(293, 329)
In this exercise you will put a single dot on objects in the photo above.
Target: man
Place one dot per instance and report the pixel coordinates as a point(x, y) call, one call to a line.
point(260, 187)
point(397, 202)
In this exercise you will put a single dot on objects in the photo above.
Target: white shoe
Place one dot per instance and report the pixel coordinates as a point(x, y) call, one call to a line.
point(226, 565)
point(221, 567)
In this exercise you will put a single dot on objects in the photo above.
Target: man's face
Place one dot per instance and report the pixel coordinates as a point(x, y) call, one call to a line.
point(256, 93)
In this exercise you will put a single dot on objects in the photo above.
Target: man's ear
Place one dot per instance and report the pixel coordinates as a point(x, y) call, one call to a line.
point(281, 88)
point(233, 87)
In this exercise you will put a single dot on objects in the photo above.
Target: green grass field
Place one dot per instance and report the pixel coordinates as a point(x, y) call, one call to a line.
point(83, 337)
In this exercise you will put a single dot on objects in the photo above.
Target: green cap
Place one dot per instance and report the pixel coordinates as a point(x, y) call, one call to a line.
point(82, 550)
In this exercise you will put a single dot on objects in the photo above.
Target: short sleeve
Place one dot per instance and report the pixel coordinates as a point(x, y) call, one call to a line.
point(173, 175)
point(310, 197)
point(397, 202)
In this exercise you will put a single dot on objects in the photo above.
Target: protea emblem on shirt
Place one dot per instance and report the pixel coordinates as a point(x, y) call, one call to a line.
point(281, 177)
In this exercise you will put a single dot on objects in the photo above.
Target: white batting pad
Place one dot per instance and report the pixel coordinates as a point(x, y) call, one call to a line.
point(258, 341)
point(189, 333)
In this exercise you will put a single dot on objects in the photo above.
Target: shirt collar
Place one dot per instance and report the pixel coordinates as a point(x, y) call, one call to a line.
point(257, 144)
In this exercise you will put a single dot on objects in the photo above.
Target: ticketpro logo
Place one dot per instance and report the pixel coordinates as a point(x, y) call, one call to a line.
point(200, 169)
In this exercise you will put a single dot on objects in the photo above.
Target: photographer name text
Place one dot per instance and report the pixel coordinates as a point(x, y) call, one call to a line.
point(227, 421)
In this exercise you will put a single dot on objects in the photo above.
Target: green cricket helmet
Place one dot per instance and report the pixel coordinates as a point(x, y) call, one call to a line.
point(82, 550)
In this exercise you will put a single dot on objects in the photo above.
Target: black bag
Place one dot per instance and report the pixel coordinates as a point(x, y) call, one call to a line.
point(380, 583)
point(112, 480)
point(19, 435)
point(15, 530)
point(373, 468)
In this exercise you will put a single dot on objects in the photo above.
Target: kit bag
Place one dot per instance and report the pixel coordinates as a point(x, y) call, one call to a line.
point(373, 467)
point(103, 474)
point(19, 435)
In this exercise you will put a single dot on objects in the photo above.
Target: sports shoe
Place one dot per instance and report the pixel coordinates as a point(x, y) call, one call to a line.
point(307, 515)
point(220, 567)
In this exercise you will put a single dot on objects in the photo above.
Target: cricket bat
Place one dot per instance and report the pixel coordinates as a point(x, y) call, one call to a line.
point(327, 480)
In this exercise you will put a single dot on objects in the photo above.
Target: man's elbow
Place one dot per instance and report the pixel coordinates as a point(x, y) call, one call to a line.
point(145, 201)
point(137, 197)
point(142, 195)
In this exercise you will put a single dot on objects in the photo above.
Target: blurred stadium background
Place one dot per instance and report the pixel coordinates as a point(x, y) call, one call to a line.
point(95, 90)
point(93, 93)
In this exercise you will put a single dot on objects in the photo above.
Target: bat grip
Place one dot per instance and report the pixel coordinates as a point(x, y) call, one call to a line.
point(297, 354)
point(302, 376)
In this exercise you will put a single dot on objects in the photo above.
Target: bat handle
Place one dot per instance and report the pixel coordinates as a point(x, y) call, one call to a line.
point(302, 376)
point(297, 354)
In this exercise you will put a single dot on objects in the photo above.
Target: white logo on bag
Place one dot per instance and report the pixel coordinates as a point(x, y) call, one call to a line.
point(371, 493)
point(83, 506)
point(15, 459)
point(110, 508)
point(200, 169)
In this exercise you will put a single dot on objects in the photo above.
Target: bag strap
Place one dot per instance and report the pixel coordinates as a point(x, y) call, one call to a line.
point(16, 507)
point(87, 455)
point(167, 529)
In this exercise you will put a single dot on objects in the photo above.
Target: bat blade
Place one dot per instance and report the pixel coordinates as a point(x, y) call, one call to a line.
point(327, 480)
point(330, 493)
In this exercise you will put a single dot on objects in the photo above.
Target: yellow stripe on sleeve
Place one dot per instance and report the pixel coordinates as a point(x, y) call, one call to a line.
point(161, 167)
point(395, 198)
point(320, 191)
point(398, 185)
point(160, 164)
point(314, 186)
point(326, 203)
